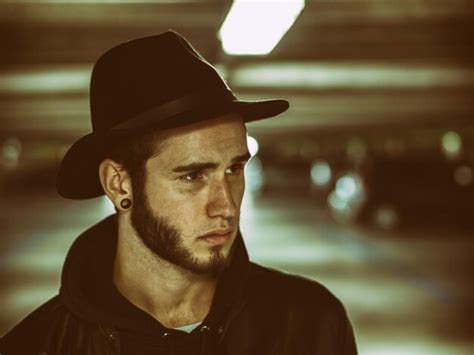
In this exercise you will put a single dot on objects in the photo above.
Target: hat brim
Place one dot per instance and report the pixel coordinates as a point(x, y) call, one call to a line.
point(78, 176)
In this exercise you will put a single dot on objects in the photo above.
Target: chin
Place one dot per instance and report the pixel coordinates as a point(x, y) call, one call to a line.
point(215, 259)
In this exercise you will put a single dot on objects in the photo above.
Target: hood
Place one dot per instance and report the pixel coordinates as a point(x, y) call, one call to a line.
point(89, 293)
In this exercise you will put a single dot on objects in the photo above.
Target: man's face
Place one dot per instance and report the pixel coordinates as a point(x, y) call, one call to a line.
point(187, 211)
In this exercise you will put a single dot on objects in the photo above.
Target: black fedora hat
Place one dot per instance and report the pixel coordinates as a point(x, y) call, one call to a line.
point(154, 82)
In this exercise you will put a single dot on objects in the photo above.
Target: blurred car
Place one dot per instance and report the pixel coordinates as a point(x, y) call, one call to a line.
point(393, 193)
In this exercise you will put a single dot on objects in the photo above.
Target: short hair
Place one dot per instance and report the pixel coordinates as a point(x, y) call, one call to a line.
point(133, 151)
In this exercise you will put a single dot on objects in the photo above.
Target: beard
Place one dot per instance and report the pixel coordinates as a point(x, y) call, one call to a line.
point(163, 239)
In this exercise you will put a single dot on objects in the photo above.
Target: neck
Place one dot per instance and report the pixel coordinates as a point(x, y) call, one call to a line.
point(170, 294)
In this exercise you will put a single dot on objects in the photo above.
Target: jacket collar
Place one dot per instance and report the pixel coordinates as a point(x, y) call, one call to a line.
point(88, 292)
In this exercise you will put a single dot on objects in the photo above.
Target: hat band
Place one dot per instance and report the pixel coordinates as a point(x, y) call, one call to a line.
point(175, 107)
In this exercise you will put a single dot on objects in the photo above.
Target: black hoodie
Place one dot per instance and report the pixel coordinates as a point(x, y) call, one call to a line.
point(88, 292)
point(255, 311)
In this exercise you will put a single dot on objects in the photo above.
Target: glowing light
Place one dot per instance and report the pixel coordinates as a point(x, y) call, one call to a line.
point(343, 210)
point(10, 152)
point(451, 144)
point(386, 217)
point(336, 202)
point(252, 144)
point(321, 173)
point(347, 198)
point(350, 187)
point(245, 31)
point(463, 175)
point(346, 187)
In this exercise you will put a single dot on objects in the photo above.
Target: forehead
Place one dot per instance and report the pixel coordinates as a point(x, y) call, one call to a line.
point(220, 138)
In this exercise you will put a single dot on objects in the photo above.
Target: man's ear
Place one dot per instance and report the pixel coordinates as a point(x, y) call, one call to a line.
point(116, 182)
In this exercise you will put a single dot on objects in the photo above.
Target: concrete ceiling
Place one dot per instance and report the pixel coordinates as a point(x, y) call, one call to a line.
point(343, 63)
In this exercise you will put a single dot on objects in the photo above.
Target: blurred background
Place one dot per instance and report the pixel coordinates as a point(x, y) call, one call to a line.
point(365, 184)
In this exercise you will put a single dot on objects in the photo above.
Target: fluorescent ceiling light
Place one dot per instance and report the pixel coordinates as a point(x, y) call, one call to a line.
point(49, 80)
point(320, 75)
point(254, 27)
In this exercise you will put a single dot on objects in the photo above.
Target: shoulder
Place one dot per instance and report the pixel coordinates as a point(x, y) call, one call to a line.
point(294, 291)
point(304, 307)
point(288, 285)
point(28, 335)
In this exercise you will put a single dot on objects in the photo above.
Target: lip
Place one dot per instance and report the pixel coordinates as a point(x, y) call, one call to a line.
point(216, 237)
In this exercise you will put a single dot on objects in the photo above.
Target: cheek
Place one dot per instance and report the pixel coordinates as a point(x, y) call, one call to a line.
point(182, 204)
point(164, 200)
point(237, 190)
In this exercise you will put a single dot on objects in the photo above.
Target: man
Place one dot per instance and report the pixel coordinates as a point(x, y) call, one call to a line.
point(169, 273)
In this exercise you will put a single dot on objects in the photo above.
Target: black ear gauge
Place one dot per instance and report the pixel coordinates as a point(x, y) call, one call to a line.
point(126, 203)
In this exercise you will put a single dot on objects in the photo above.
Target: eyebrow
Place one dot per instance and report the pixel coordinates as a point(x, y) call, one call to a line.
point(209, 165)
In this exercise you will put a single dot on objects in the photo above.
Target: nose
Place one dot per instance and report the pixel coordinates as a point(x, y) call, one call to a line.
point(221, 202)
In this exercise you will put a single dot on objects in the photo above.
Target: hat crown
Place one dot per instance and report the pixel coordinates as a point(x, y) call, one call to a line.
point(141, 74)
point(155, 82)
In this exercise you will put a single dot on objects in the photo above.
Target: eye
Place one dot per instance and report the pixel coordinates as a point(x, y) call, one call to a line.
point(235, 169)
point(191, 177)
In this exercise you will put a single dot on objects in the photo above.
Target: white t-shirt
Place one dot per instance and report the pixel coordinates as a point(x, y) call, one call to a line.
point(189, 328)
